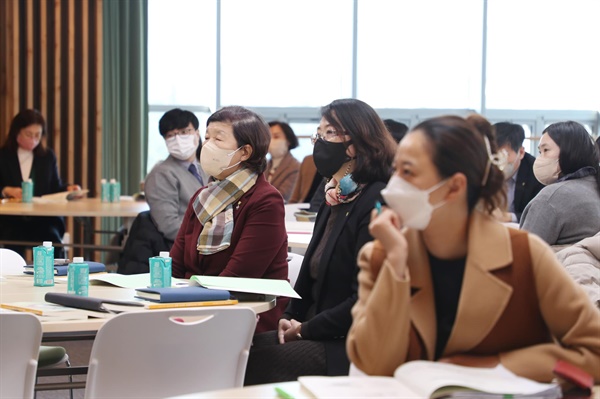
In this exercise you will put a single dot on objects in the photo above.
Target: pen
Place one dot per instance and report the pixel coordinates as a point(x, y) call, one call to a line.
point(283, 394)
point(378, 207)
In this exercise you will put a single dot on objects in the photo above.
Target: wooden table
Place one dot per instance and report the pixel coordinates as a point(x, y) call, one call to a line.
point(86, 207)
point(82, 209)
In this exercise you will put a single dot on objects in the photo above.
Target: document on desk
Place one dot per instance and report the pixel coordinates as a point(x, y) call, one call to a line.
point(122, 280)
point(61, 196)
point(264, 286)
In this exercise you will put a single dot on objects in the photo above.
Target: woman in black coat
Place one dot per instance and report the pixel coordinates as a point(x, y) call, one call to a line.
point(354, 151)
point(25, 156)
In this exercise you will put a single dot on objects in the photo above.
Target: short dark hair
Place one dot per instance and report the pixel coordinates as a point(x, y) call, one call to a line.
point(176, 118)
point(511, 134)
point(577, 147)
point(458, 146)
point(290, 136)
point(397, 129)
point(25, 118)
point(248, 128)
point(373, 144)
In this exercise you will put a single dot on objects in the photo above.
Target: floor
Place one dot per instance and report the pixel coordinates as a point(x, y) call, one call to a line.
point(79, 355)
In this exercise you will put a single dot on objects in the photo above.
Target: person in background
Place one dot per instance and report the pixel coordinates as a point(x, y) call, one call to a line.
point(282, 168)
point(172, 182)
point(307, 183)
point(235, 225)
point(521, 184)
point(168, 189)
point(445, 281)
point(582, 262)
point(23, 156)
point(397, 129)
point(354, 151)
point(567, 210)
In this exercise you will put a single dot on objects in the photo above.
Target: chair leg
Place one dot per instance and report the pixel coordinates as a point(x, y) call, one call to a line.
point(70, 379)
point(68, 363)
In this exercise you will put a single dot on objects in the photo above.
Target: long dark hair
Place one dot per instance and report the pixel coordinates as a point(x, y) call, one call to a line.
point(373, 144)
point(23, 119)
point(248, 128)
point(577, 147)
point(458, 146)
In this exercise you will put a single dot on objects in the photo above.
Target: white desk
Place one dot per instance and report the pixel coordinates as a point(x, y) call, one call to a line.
point(21, 289)
point(266, 391)
point(299, 233)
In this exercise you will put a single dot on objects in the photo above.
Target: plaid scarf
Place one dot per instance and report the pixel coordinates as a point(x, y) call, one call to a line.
point(214, 209)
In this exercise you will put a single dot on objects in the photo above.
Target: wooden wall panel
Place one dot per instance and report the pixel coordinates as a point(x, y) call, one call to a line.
point(51, 52)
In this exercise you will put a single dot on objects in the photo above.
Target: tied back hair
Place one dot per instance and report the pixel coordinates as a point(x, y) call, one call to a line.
point(458, 146)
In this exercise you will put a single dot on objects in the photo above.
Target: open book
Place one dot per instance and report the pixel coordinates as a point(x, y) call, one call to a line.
point(425, 379)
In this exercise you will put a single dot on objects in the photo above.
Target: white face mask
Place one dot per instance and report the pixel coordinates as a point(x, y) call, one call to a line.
point(410, 203)
point(546, 170)
point(215, 160)
point(278, 148)
point(182, 147)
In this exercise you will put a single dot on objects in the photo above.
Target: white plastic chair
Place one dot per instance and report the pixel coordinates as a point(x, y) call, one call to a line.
point(10, 262)
point(294, 264)
point(20, 338)
point(161, 353)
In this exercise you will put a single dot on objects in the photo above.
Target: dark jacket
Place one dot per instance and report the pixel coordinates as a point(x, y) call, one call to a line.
point(527, 186)
point(336, 286)
point(44, 173)
point(143, 242)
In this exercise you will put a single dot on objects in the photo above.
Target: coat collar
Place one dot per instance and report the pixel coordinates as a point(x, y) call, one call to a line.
point(489, 248)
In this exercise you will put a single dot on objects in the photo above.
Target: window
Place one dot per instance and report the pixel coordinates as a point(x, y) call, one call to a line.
point(543, 55)
point(285, 53)
point(420, 54)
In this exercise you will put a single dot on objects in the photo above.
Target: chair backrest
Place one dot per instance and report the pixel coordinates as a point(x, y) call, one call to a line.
point(160, 353)
point(20, 338)
point(294, 264)
point(11, 262)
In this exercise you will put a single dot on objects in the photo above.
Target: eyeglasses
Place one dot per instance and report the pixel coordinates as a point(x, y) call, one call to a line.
point(31, 135)
point(184, 132)
point(329, 135)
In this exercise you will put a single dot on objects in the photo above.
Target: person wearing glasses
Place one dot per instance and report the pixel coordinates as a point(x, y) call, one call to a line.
point(23, 156)
point(446, 281)
point(235, 225)
point(353, 150)
point(282, 168)
point(168, 189)
point(172, 182)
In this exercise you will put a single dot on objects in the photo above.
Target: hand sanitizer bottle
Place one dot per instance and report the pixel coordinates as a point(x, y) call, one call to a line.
point(78, 280)
point(160, 270)
point(104, 191)
point(27, 191)
point(115, 190)
point(43, 265)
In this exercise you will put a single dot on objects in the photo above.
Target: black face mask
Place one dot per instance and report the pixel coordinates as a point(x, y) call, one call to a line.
point(329, 157)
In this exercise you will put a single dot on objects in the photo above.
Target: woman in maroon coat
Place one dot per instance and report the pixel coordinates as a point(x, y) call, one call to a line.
point(235, 226)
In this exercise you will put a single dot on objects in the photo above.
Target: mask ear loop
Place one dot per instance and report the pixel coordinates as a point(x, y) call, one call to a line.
point(498, 159)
